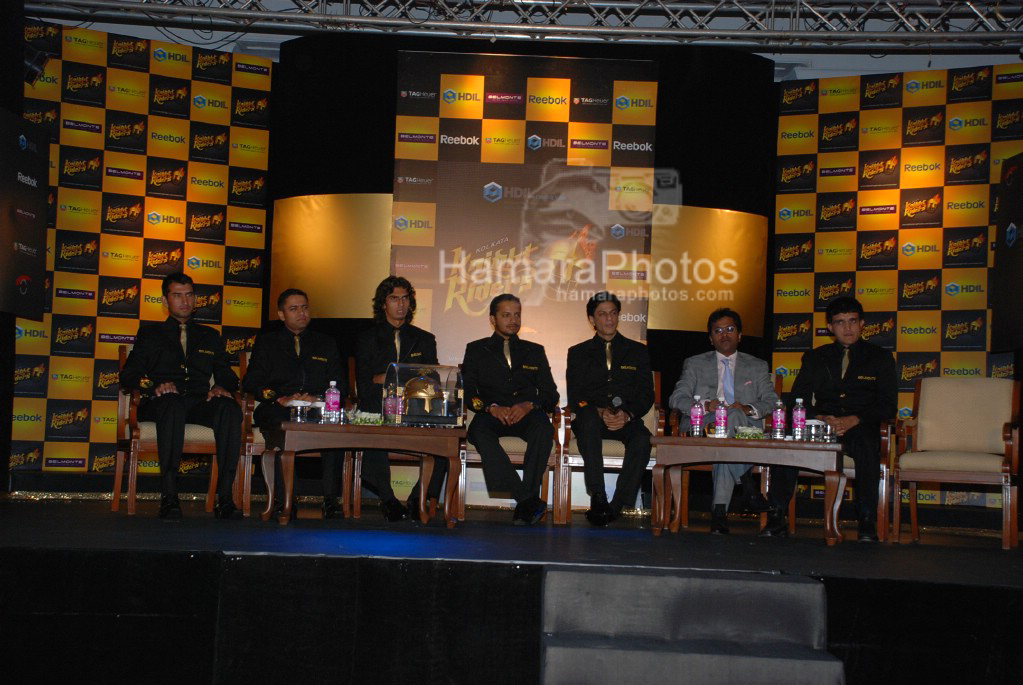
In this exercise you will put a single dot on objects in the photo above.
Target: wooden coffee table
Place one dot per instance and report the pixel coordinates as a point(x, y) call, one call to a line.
point(679, 451)
point(430, 443)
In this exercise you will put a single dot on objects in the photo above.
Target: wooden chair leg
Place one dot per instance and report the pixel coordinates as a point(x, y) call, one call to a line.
point(543, 488)
point(792, 510)
point(357, 487)
point(764, 480)
point(1007, 515)
point(115, 499)
point(133, 475)
point(241, 474)
point(212, 491)
point(896, 508)
point(882, 506)
point(914, 528)
point(676, 476)
point(346, 483)
point(247, 474)
point(683, 496)
point(1013, 515)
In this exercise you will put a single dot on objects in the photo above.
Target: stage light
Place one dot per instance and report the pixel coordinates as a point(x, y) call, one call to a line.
point(35, 64)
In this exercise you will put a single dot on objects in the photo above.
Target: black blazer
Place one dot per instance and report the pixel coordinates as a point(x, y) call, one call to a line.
point(488, 380)
point(374, 352)
point(274, 368)
point(591, 383)
point(869, 389)
point(157, 358)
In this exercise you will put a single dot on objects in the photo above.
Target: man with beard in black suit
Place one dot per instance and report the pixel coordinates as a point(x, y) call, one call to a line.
point(509, 385)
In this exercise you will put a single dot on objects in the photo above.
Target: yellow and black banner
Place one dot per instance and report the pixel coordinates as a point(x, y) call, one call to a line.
point(158, 158)
point(887, 190)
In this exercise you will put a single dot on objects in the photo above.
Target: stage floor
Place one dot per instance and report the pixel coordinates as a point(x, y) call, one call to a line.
point(945, 556)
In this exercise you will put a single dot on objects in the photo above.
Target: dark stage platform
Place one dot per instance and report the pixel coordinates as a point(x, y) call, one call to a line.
point(202, 600)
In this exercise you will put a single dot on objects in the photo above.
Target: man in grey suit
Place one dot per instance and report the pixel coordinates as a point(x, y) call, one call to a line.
point(744, 383)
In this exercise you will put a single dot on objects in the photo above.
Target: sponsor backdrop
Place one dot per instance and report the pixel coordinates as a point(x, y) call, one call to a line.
point(158, 157)
point(525, 175)
point(887, 190)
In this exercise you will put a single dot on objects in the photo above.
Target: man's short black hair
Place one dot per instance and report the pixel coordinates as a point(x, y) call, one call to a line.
point(604, 296)
point(722, 313)
point(178, 277)
point(843, 305)
point(283, 297)
point(387, 287)
point(503, 297)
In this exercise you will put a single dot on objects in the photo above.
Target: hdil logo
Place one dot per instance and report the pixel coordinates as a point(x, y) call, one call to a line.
point(153, 218)
point(156, 218)
point(23, 142)
point(782, 371)
point(910, 249)
point(196, 263)
point(199, 101)
point(959, 123)
point(401, 223)
point(493, 192)
point(905, 413)
point(159, 54)
point(1011, 235)
point(953, 289)
point(449, 96)
point(534, 142)
point(18, 332)
point(916, 86)
point(621, 102)
point(617, 231)
point(785, 214)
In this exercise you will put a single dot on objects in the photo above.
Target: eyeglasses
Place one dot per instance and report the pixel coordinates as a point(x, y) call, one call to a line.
point(719, 330)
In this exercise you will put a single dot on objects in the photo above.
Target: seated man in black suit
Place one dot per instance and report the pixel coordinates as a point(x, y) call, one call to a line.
point(392, 339)
point(852, 385)
point(172, 363)
point(508, 384)
point(295, 363)
point(610, 389)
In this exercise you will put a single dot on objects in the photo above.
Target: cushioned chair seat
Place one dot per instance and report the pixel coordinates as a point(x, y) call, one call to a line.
point(193, 432)
point(951, 461)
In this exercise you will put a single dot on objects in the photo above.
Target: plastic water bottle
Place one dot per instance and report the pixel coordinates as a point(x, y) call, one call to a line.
point(721, 419)
point(696, 416)
point(778, 421)
point(332, 404)
point(799, 420)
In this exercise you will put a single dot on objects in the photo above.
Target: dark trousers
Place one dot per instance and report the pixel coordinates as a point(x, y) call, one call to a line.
point(376, 473)
point(863, 444)
point(589, 430)
point(172, 411)
point(271, 415)
point(535, 428)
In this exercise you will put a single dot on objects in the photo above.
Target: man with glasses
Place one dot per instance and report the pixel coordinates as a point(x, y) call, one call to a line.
point(744, 383)
point(852, 385)
point(172, 363)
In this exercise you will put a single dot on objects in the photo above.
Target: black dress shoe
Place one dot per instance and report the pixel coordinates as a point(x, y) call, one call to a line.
point(753, 502)
point(600, 512)
point(719, 520)
point(170, 508)
point(777, 526)
point(393, 510)
point(331, 509)
point(529, 511)
point(867, 532)
point(224, 509)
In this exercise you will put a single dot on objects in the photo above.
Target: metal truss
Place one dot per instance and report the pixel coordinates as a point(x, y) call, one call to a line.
point(915, 26)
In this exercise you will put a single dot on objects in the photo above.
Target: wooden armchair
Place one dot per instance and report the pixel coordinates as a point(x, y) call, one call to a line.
point(516, 448)
point(136, 439)
point(612, 450)
point(963, 430)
